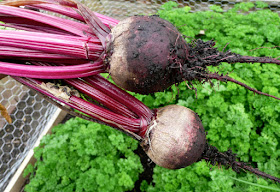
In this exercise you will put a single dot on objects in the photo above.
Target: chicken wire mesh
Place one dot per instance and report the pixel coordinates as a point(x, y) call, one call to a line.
point(30, 113)
point(120, 9)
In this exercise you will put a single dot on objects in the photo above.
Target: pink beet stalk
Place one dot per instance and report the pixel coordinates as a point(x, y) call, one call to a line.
point(112, 97)
point(65, 41)
point(97, 112)
point(101, 97)
point(106, 116)
point(52, 72)
point(66, 46)
point(49, 39)
point(30, 18)
point(120, 95)
point(70, 12)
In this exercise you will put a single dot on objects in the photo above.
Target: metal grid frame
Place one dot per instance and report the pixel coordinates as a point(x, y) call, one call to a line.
point(30, 114)
point(121, 9)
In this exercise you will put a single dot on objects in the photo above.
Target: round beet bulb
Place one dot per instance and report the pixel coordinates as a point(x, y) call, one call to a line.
point(141, 51)
point(176, 138)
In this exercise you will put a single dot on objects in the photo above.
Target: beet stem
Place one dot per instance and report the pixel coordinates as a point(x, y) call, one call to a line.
point(98, 28)
point(31, 83)
point(52, 72)
point(105, 115)
point(31, 18)
point(93, 110)
point(17, 43)
point(116, 96)
point(60, 9)
point(101, 97)
point(120, 95)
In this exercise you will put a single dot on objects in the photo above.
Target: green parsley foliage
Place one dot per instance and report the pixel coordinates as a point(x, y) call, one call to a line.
point(234, 117)
point(84, 156)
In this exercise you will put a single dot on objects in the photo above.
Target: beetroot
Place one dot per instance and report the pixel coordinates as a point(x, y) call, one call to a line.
point(146, 54)
point(140, 53)
point(176, 138)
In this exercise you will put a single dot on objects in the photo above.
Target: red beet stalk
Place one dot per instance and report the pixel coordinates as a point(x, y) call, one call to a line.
point(120, 117)
point(64, 41)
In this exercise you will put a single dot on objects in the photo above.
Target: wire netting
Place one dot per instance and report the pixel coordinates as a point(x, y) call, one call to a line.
point(120, 9)
point(30, 113)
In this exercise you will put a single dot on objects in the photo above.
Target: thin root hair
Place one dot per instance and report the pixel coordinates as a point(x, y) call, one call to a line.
point(214, 157)
point(226, 78)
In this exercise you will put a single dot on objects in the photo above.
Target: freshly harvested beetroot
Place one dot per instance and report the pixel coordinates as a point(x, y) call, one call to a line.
point(146, 54)
point(140, 53)
point(176, 137)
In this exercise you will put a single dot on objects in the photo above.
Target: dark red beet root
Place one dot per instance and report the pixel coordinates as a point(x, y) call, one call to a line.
point(146, 54)
point(176, 138)
point(141, 51)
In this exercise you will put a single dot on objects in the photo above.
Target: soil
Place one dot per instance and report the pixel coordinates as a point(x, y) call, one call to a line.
point(148, 166)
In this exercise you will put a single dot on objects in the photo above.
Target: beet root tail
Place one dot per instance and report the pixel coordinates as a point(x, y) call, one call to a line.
point(226, 78)
point(250, 59)
point(214, 157)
